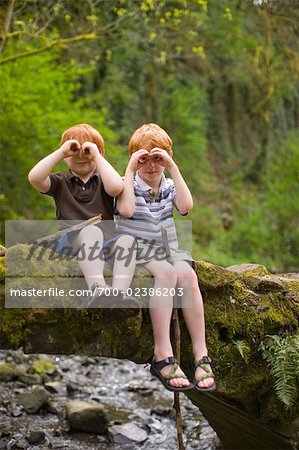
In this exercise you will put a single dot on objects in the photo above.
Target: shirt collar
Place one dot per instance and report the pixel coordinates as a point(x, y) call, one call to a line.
point(145, 187)
point(71, 176)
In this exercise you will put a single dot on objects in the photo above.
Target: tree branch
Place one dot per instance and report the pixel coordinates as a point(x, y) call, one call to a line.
point(59, 42)
point(6, 11)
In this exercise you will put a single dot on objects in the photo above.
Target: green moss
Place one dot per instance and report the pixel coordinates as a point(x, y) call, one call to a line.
point(2, 268)
point(41, 366)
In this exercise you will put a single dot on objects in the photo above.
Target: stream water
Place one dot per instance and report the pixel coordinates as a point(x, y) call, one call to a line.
point(127, 391)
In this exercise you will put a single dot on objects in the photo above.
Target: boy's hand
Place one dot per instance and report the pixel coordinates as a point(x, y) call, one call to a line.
point(162, 157)
point(70, 148)
point(89, 151)
point(137, 159)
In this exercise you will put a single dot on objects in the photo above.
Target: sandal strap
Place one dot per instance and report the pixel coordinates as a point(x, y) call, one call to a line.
point(164, 362)
point(205, 376)
point(202, 361)
point(172, 375)
point(170, 361)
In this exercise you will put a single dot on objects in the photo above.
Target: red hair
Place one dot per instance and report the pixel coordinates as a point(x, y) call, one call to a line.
point(149, 136)
point(84, 133)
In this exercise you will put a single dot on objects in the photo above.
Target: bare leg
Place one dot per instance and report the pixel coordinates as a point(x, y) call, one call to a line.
point(160, 313)
point(193, 314)
point(90, 258)
point(124, 262)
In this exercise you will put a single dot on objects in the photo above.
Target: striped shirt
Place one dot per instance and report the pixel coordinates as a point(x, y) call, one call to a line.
point(153, 214)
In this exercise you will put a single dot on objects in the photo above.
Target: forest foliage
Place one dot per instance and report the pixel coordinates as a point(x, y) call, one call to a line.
point(220, 76)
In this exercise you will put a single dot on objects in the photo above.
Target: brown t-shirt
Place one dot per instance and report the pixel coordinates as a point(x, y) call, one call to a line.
point(79, 201)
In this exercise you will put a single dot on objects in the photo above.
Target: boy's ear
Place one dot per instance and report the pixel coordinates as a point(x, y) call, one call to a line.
point(170, 153)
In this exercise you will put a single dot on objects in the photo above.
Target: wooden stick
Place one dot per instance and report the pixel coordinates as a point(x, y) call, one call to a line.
point(176, 404)
point(78, 226)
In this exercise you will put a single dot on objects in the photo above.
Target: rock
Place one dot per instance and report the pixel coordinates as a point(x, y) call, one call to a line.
point(212, 277)
point(57, 406)
point(163, 411)
point(127, 433)
point(291, 283)
point(33, 400)
point(14, 409)
point(265, 284)
point(7, 372)
point(249, 269)
point(17, 442)
point(55, 387)
point(87, 416)
point(30, 379)
point(36, 437)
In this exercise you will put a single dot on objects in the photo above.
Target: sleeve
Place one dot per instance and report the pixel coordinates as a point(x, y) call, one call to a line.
point(55, 179)
point(173, 194)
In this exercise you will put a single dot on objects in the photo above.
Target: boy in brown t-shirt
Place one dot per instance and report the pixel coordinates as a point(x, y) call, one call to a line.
point(86, 190)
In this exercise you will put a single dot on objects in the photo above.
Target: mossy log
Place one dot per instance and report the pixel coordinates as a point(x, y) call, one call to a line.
point(242, 304)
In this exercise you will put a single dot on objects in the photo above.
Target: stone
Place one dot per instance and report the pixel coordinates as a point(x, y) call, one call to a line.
point(127, 433)
point(211, 276)
point(30, 378)
point(35, 437)
point(55, 387)
point(265, 284)
point(34, 400)
point(87, 416)
point(7, 372)
point(249, 269)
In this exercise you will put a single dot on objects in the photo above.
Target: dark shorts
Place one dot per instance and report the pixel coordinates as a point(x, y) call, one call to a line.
point(64, 244)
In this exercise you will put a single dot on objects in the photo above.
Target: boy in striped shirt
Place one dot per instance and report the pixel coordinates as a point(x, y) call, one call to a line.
point(145, 209)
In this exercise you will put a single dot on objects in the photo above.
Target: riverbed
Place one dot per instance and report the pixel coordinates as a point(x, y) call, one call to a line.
point(127, 391)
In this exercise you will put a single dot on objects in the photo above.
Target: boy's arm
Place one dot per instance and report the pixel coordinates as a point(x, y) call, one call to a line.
point(38, 176)
point(126, 200)
point(112, 181)
point(184, 201)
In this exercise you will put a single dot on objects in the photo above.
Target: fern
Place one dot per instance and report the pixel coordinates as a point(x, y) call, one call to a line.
point(282, 355)
point(243, 349)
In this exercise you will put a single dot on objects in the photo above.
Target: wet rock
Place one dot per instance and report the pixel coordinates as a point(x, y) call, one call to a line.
point(14, 410)
point(89, 361)
point(55, 387)
point(30, 378)
point(249, 269)
point(87, 416)
point(142, 390)
point(163, 411)
point(7, 372)
point(127, 433)
point(265, 284)
point(34, 400)
point(72, 387)
point(18, 441)
point(35, 437)
point(57, 406)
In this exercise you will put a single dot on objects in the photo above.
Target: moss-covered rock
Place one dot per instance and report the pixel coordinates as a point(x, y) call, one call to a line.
point(242, 304)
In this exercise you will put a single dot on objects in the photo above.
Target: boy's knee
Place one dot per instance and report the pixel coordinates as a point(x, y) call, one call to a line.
point(187, 278)
point(91, 232)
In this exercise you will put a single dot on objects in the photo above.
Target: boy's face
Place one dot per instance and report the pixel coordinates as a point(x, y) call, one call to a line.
point(150, 170)
point(80, 164)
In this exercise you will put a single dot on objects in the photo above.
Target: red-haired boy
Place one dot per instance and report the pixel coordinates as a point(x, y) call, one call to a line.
point(145, 209)
point(87, 189)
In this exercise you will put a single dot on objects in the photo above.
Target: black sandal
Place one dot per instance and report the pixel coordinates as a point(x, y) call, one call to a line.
point(203, 363)
point(155, 371)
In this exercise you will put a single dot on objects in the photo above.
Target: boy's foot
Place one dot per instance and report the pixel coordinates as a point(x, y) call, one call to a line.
point(170, 374)
point(203, 375)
